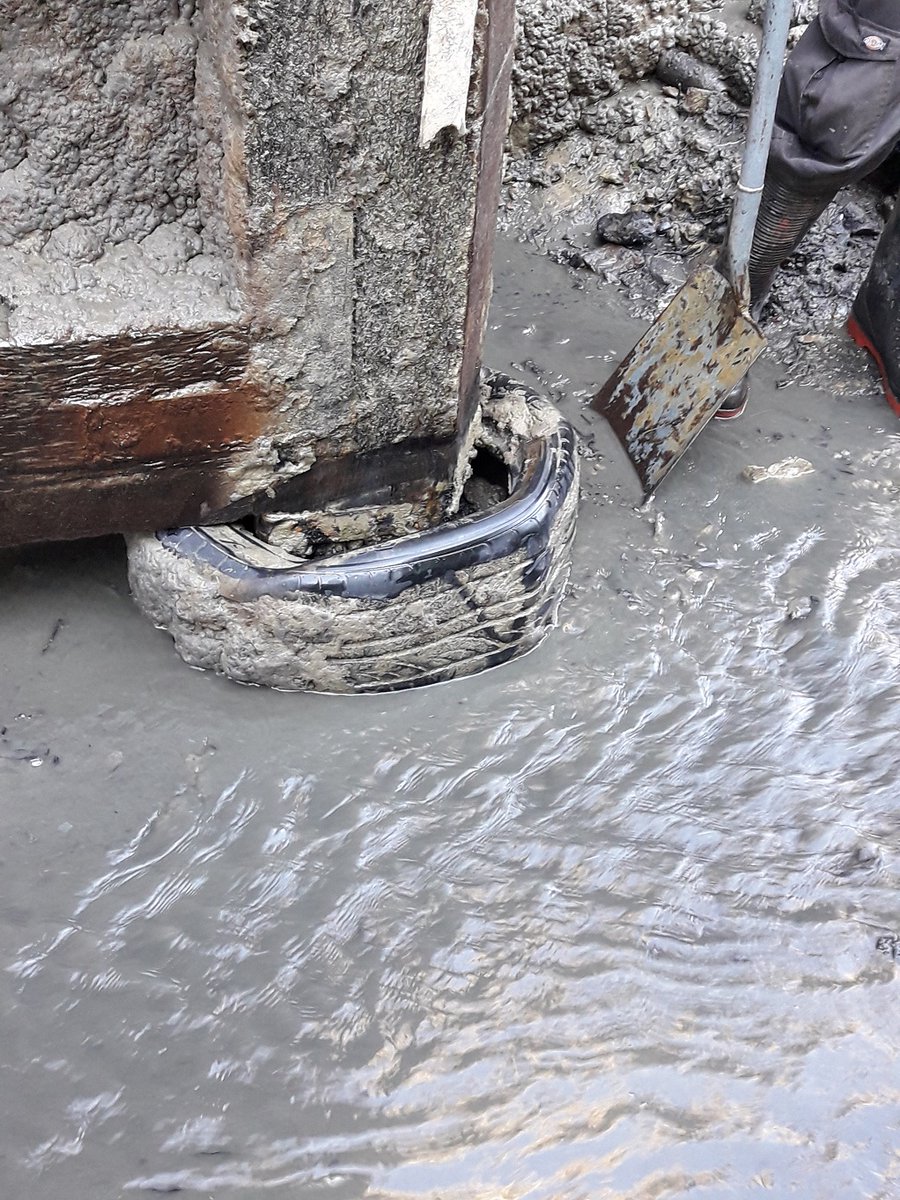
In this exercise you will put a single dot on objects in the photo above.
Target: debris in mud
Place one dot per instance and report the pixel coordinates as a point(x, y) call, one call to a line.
point(857, 221)
point(574, 54)
point(666, 271)
point(35, 756)
point(798, 610)
point(788, 468)
point(694, 101)
point(889, 944)
point(633, 228)
point(59, 625)
point(687, 73)
point(609, 259)
point(114, 760)
point(481, 494)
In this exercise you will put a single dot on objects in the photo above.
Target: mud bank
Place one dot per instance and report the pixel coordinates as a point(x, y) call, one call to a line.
point(574, 54)
point(617, 919)
point(666, 144)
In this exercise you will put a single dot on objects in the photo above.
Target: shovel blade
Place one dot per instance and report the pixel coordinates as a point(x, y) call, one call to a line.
point(665, 391)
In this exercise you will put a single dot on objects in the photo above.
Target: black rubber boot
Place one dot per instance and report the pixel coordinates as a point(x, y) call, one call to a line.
point(786, 214)
point(874, 320)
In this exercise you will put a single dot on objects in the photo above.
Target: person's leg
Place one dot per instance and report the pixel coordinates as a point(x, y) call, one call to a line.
point(874, 321)
point(838, 118)
point(787, 212)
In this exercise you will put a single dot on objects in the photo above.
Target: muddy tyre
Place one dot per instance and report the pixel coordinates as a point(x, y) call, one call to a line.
point(475, 592)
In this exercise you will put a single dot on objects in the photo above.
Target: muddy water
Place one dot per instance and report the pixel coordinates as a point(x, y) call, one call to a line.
point(615, 921)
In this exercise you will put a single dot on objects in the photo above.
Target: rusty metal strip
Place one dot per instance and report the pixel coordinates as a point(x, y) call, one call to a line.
point(495, 106)
point(122, 432)
point(671, 384)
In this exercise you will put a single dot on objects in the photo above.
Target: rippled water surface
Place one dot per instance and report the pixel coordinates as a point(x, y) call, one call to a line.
point(617, 921)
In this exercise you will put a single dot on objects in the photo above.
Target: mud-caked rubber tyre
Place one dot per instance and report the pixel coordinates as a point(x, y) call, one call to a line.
point(472, 593)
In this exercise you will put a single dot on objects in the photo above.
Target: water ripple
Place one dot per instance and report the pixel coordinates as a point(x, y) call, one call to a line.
point(618, 922)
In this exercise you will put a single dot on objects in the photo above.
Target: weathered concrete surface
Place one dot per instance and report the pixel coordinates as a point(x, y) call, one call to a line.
point(96, 118)
point(358, 241)
point(100, 226)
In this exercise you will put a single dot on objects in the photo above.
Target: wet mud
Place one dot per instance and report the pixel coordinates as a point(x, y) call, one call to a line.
point(635, 185)
point(619, 919)
point(643, 229)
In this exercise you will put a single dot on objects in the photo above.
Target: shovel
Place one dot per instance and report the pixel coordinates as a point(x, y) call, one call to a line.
point(665, 391)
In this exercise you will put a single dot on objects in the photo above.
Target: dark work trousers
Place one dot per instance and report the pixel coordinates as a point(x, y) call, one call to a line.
point(838, 115)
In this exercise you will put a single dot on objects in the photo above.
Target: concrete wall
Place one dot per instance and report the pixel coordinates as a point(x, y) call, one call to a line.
point(249, 175)
point(100, 227)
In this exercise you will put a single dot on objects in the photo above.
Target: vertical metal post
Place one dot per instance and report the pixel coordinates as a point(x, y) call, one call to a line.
point(776, 23)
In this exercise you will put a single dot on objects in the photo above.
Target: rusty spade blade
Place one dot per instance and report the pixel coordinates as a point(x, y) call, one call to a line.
point(666, 390)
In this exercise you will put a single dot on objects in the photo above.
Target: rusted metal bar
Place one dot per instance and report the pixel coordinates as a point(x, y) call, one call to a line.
point(498, 29)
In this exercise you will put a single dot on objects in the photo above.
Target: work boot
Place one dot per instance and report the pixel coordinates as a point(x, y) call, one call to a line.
point(874, 321)
point(786, 214)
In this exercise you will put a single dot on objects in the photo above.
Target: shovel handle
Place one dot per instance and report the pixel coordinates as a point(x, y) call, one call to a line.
point(776, 24)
